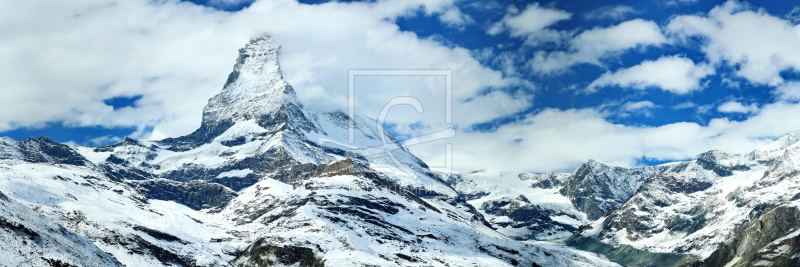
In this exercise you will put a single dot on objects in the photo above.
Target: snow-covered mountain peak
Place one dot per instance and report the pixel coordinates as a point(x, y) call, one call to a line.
point(254, 89)
point(784, 142)
point(258, 60)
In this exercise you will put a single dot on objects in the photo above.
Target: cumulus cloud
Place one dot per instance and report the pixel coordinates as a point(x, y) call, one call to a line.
point(532, 24)
point(639, 108)
point(533, 19)
point(58, 64)
point(789, 91)
point(453, 17)
point(561, 140)
point(757, 45)
point(670, 73)
point(592, 45)
point(794, 15)
point(105, 140)
point(636, 106)
point(687, 104)
point(679, 2)
point(736, 107)
point(611, 12)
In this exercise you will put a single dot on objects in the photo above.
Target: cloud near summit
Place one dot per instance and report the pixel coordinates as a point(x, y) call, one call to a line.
point(176, 55)
point(60, 63)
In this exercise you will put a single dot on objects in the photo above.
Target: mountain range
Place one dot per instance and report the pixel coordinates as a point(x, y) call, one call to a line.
point(264, 181)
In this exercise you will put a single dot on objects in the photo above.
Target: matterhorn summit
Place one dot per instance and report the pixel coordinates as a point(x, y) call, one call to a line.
point(256, 91)
point(254, 94)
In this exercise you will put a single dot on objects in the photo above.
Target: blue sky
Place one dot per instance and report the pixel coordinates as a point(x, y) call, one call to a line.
point(548, 84)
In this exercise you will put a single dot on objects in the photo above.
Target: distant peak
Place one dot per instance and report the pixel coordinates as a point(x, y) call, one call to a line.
point(593, 162)
point(786, 141)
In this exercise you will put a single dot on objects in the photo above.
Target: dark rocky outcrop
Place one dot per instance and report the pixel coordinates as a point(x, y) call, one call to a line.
point(41, 150)
point(596, 188)
point(755, 242)
point(195, 195)
point(523, 214)
point(263, 253)
point(711, 161)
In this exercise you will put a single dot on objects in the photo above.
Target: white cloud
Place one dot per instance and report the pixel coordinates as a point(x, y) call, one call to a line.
point(611, 12)
point(687, 104)
point(758, 45)
point(531, 20)
point(789, 91)
point(104, 140)
point(453, 17)
point(679, 2)
point(532, 24)
point(730, 82)
point(670, 73)
point(592, 45)
point(561, 140)
point(59, 63)
point(794, 15)
point(636, 106)
point(228, 3)
point(736, 107)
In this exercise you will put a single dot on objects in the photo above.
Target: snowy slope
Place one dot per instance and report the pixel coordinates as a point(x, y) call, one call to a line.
point(134, 230)
point(348, 218)
point(520, 205)
point(29, 239)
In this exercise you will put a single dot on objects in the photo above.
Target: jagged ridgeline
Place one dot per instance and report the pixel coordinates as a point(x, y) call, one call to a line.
point(717, 209)
point(262, 182)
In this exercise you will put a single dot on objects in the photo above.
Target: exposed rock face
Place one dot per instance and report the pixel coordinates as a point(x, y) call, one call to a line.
point(596, 188)
point(195, 195)
point(769, 240)
point(659, 193)
point(40, 150)
point(782, 252)
point(774, 224)
point(546, 180)
point(715, 161)
point(262, 253)
point(712, 210)
point(520, 214)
